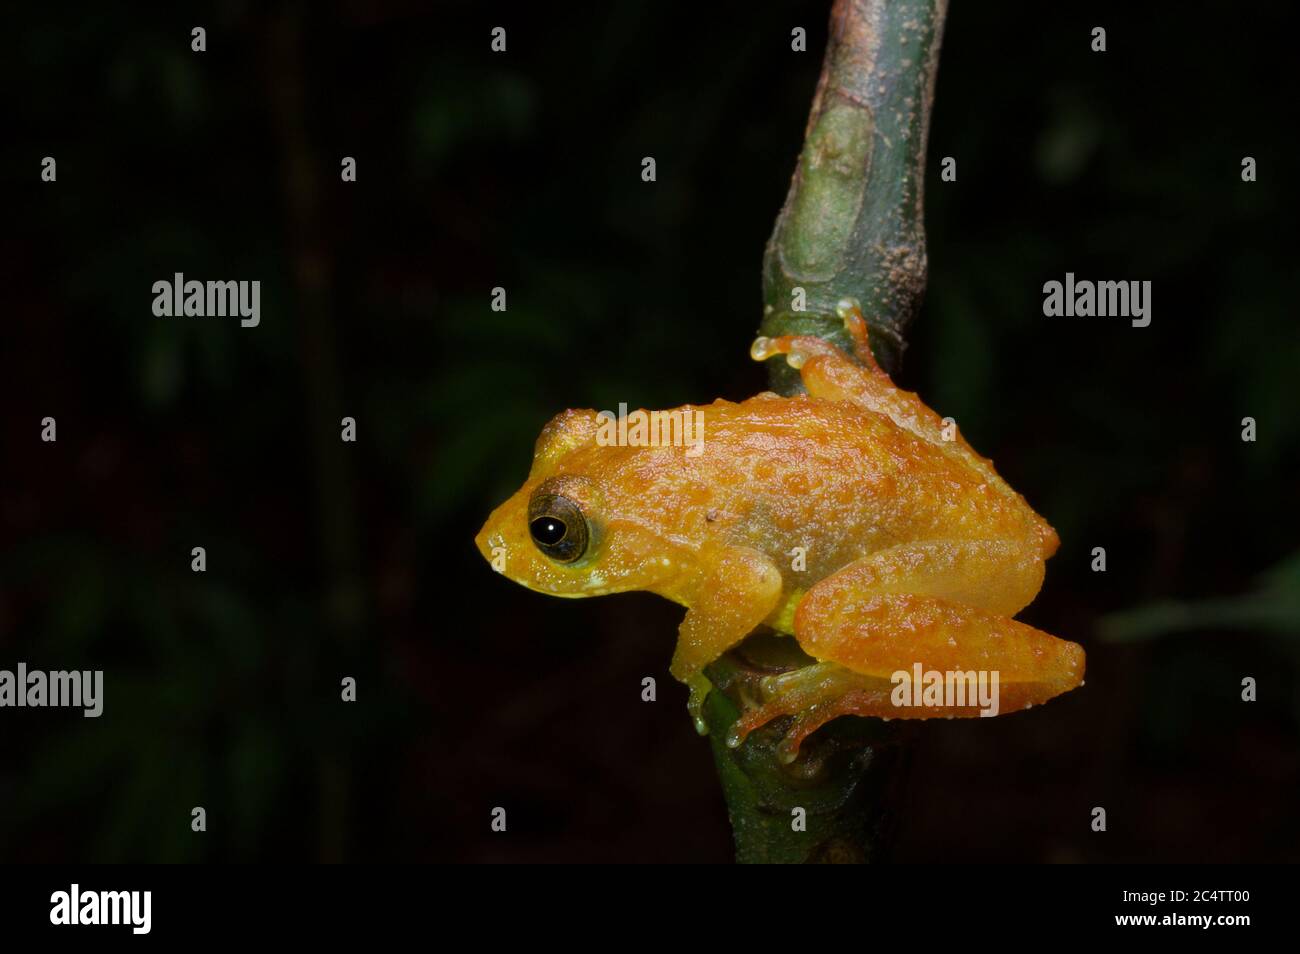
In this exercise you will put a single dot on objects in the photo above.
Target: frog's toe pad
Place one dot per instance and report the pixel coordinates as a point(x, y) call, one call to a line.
point(700, 688)
point(764, 348)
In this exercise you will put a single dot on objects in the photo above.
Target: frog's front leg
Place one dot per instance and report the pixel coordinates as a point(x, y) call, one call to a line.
point(943, 605)
point(740, 591)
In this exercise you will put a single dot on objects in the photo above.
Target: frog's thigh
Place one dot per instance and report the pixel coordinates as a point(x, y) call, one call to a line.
point(946, 606)
point(865, 644)
point(741, 591)
point(829, 373)
point(894, 633)
point(996, 575)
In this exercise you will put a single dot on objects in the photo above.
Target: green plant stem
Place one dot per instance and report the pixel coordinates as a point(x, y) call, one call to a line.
point(851, 226)
point(341, 607)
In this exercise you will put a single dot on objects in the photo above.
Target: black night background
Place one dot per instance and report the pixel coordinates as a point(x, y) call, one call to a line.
point(328, 559)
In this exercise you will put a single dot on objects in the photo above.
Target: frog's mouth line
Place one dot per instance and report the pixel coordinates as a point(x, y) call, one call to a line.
point(583, 594)
point(593, 584)
point(488, 542)
point(585, 577)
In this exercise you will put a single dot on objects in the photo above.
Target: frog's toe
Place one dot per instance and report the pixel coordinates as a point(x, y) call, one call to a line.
point(796, 348)
point(850, 313)
point(700, 687)
point(764, 347)
point(799, 350)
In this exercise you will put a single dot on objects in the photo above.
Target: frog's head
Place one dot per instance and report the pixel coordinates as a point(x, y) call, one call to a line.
point(576, 528)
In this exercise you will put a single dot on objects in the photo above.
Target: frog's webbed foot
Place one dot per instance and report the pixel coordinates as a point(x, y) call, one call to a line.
point(814, 695)
point(799, 348)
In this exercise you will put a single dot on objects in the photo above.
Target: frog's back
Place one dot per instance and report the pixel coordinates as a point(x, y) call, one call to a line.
point(842, 481)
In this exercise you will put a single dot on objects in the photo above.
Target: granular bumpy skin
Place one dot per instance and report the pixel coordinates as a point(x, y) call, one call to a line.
point(852, 518)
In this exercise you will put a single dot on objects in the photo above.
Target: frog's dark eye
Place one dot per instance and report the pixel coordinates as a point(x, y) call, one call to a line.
point(558, 527)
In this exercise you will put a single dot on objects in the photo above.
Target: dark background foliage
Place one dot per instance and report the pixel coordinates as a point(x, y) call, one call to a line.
point(522, 170)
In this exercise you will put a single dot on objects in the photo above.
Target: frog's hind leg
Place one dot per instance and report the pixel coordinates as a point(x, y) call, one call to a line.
point(970, 663)
point(875, 622)
point(830, 374)
point(814, 695)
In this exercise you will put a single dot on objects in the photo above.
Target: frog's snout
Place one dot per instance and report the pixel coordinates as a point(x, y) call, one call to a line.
point(492, 540)
point(482, 540)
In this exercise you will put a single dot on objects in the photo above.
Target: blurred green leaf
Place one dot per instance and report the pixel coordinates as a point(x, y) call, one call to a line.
point(1273, 608)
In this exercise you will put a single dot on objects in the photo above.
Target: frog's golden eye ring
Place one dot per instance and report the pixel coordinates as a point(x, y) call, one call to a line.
point(558, 527)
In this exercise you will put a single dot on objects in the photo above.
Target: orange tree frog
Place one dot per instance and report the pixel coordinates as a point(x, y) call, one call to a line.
point(911, 550)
